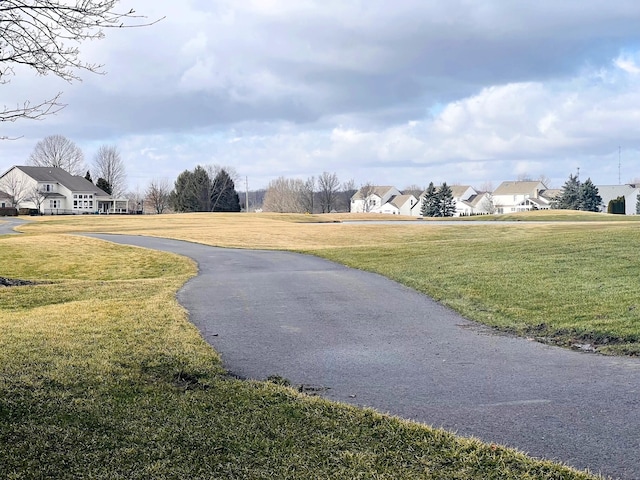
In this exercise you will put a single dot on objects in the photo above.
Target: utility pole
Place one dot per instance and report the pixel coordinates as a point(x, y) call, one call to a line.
point(246, 192)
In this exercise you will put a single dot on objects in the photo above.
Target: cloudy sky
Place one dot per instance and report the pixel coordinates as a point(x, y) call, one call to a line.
point(393, 93)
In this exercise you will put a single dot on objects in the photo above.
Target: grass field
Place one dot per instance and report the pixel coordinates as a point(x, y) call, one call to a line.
point(102, 376)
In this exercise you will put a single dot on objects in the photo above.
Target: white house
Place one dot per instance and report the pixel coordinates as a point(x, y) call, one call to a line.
point(611, 192)
point(403, 204)
point(371, 199)
point(54, 191)
point(477, 204)
point(5, 200)
point(520, 197)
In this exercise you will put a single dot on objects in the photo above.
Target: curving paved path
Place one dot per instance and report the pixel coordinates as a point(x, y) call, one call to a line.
point(7, 225)
point(363, 339)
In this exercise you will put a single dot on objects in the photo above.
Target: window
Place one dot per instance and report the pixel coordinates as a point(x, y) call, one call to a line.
point(75, 196)
point(48, 188)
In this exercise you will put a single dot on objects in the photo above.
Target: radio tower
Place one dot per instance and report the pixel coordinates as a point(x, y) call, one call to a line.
point(619, 166)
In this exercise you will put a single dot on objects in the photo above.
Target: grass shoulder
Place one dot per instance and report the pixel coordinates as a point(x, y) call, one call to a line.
point(102, 376)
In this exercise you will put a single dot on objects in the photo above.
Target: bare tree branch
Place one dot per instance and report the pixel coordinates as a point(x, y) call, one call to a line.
point(45, 35)
point(108, 165)
point(58, 151)
point(158, 194)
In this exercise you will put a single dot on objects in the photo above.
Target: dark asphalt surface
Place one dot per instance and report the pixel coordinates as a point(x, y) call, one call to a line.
point(7, 225)
point(363, 339)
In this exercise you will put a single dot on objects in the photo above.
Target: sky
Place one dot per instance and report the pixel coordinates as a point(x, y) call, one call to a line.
point(391, 93)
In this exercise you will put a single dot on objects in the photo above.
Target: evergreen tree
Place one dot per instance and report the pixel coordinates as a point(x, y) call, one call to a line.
point(638, 205)
point(446, 203)
point(88, 176)
point(191, 191)
point(590, 200)
point(224, 197)
point(617, 206)
point(569, 198)
point(103, 185)
point(429, 202)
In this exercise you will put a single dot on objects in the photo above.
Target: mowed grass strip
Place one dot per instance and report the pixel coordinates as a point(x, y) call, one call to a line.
point(570, 282)
point(102, 376)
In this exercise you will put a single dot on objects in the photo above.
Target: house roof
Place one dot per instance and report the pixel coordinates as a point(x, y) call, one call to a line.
point(399, 200)
point(458, 190)
point(614, 191)
point(380, 191)
point(4, 194)
point(518, 188)
point(74, 183)
point(550, 193)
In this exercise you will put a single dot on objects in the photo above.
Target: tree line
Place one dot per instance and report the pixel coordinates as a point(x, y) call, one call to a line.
point(322, 194)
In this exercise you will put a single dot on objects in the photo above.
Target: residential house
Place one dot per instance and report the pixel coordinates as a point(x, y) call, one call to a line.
point(5, 200)
point(520, 197)
point(54, 191)
point(400, 205)
point(480, 203)
point(611, 192)
point(371, 199)
point(468, 201)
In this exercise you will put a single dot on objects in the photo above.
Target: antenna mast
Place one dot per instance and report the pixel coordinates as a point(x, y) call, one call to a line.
point(619, 165)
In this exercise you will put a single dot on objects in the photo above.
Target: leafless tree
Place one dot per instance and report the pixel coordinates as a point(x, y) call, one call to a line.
point(136, 200)
point(545, 180)
point(158, 193)
point(58, 151)
point(108, 164)
point(486, 186)
point(283, 196)
point(308, 193)
point(36, 195)
point(14, 185)
point(366, 190)
point(415, 190)
point(348, 189)
point(45, 36)
point(487, 204)
point(328, 185)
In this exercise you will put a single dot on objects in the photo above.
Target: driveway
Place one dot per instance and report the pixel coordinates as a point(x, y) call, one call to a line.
point(360, 338)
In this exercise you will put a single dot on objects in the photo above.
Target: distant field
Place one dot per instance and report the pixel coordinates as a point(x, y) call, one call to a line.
point(102, 376)
point(569, 278)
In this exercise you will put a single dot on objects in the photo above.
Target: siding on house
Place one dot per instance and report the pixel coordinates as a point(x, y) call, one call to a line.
point(55, 191)
point(630, 193)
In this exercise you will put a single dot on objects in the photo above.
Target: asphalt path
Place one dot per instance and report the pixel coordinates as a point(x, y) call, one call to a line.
point(360, 338)
point(7, 225)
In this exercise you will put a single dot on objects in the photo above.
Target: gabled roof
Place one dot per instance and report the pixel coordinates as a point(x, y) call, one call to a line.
point(74, 183)
point(380, 191)
point(458, 190)
point(399, 200)
point(4, 194)
point(614, 191)
point(550, 193)
point(518, 188)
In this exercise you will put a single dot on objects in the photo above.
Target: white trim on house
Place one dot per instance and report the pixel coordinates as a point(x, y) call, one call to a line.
point(54, 191)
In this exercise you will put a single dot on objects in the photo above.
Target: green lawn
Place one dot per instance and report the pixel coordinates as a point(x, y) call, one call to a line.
point(103, 377)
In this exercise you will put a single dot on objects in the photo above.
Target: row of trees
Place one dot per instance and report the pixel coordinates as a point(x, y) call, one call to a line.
point(322, 194)
point(205, 189)
point(578, 195)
